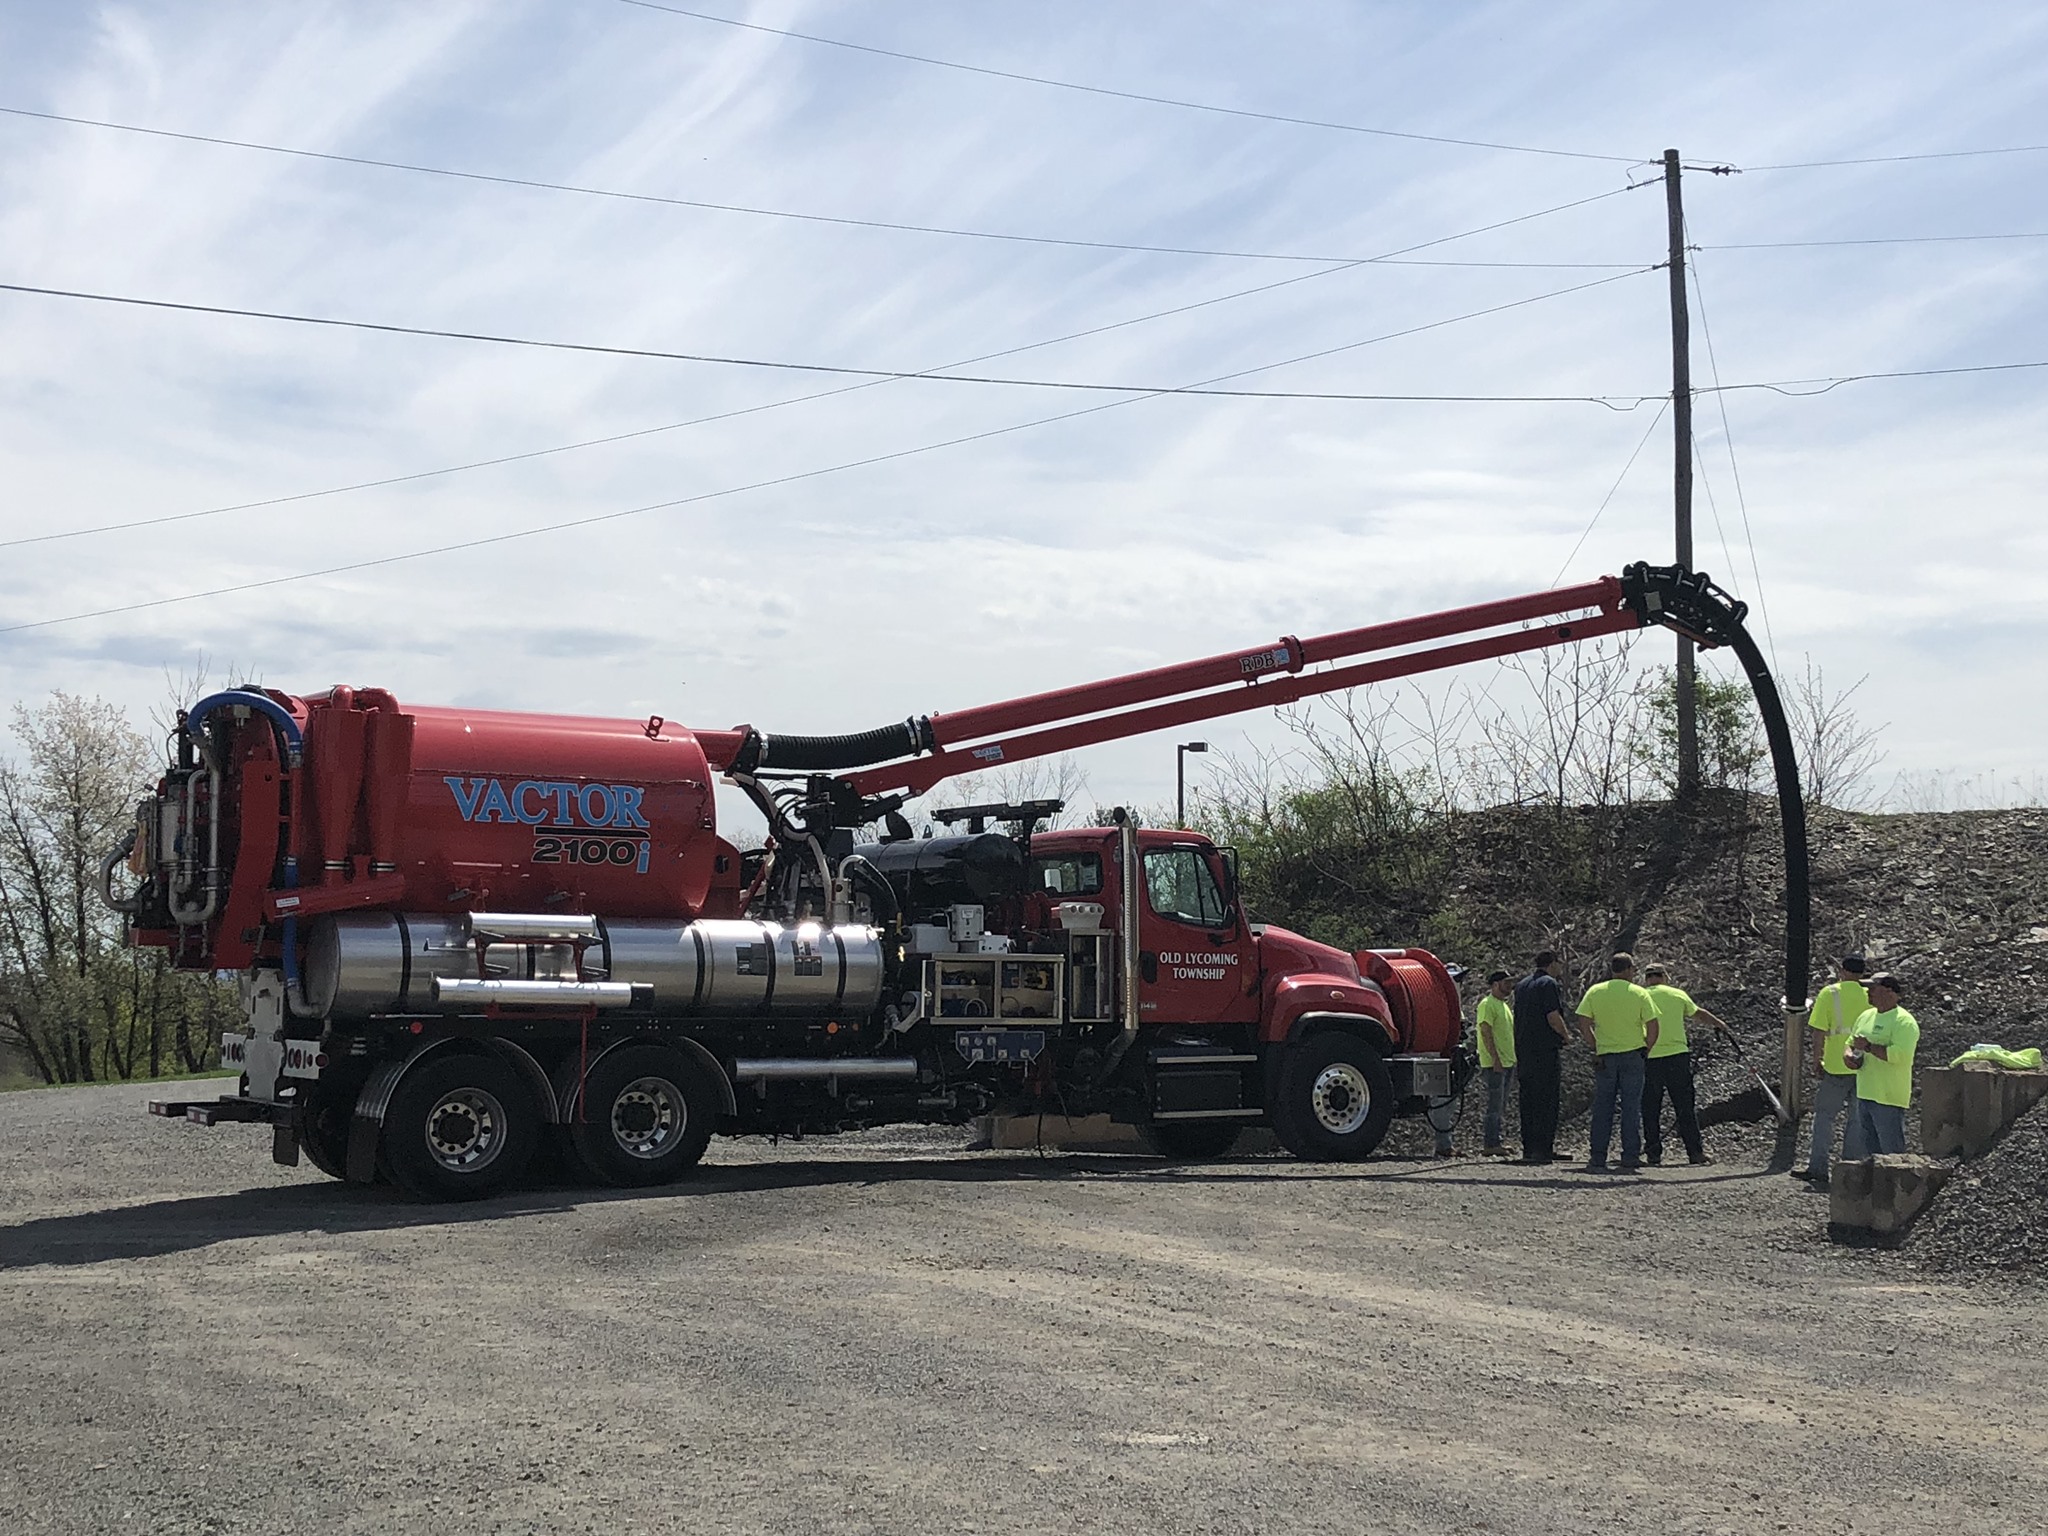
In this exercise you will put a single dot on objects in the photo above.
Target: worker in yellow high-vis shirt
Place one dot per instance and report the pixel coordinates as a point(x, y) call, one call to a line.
point(1620, 1022)
point(1669, 1068)
point(1496, 1024)
point(1881, 1050)
point(1835, 1012)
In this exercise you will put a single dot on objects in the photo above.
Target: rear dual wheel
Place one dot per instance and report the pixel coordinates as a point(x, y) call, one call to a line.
point(322, 1128)
point(644, 1117)
point(460, 1127)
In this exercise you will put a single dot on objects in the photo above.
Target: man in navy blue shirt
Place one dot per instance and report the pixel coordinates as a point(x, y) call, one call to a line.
point(1540, 1034)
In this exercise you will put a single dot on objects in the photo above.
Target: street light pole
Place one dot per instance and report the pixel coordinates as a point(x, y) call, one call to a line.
point(1180, 779)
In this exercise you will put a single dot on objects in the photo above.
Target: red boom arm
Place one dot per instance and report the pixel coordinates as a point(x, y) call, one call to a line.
point(1244, 680)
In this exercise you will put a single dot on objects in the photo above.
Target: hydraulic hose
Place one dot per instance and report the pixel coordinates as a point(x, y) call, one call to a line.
point(870, 879)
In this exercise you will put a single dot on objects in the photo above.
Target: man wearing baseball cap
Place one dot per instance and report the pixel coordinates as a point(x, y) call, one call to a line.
point(1835, 1012)
point(1881, 1050)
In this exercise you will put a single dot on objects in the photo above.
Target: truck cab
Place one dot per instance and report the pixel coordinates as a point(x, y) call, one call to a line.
point(1120, 964)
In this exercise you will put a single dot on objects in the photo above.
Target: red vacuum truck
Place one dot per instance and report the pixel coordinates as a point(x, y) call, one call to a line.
point(461, 931)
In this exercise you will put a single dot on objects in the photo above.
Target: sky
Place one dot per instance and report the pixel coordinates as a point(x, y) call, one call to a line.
point(830, 552)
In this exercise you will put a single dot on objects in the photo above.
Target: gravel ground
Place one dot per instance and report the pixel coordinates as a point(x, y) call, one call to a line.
point(1993, 1216)
point(879, 1334)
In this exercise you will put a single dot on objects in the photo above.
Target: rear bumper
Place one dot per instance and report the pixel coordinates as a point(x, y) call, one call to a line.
point(218, 1111)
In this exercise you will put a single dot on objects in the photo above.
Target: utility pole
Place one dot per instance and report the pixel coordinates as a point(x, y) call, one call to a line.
point(1681, 475)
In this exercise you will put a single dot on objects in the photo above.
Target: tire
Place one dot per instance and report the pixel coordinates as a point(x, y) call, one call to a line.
point(460, 1127)
point(1191, 1141)
point(322, 1126)
point(645, 1117)
point(1332, 1098)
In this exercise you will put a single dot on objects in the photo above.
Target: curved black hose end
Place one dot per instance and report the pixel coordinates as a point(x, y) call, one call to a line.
point(826, 754)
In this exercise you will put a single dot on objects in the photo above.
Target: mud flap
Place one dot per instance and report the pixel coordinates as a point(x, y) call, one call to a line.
point(284, 1145)
point(362, 1149)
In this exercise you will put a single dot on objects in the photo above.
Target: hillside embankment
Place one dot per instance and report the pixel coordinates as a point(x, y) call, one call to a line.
point(1955, 903)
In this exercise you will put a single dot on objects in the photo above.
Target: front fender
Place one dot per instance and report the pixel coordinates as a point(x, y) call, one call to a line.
point(1294, 1001)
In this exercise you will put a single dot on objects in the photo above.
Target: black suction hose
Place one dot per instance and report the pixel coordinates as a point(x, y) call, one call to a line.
point(1689, 602)
point(1791, 813)
point(825, 754)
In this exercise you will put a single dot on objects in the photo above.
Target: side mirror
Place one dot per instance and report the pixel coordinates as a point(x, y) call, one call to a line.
point(1231, 911)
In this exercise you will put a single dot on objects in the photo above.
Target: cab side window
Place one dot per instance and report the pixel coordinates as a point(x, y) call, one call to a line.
point(1180, 885)
point(1071, 874)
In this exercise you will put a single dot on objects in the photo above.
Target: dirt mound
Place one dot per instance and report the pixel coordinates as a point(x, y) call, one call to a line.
point(1993, 1216)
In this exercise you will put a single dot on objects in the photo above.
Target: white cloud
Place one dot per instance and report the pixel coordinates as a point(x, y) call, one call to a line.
point(1896, 524)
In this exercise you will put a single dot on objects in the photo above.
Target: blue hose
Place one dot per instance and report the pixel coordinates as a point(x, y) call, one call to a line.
point(294, 744)
point(276, 713)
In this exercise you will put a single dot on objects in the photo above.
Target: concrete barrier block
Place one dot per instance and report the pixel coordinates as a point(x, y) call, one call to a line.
point(1964, 1110)
point(1882, 1196)
point(1088, 1133)
point(1941, 1111)
point(1849, 1194)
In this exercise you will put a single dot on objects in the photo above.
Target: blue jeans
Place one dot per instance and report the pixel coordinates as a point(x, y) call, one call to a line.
point(1494, 1126)
point(1834, 1093)
point(1883, 1127)
point(1619, 1076)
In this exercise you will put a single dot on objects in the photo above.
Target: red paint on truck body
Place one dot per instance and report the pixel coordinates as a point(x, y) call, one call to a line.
point(429, 810)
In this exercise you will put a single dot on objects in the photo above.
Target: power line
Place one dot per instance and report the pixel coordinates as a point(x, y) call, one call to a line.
point(491, 339)
point(1720, 530)
point(1612, 491)
point(1734, 469)
point(1790, 245)
point(1102, 90)
point(1827, 384)
point(1940, 154)
point(534, 184)
point(780, 480)
point(1031, 346)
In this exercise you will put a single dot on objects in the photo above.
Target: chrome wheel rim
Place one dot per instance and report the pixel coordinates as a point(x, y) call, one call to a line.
point(1341, 1097)
point(649, 1116)
point(465, 1130)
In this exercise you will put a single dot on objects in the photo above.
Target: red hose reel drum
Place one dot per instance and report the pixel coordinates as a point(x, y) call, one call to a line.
point(1422, 993)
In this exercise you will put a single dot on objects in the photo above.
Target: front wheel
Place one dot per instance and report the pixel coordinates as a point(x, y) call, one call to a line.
point(460, 1127)
point(1332, 1099)
point(644, 1117)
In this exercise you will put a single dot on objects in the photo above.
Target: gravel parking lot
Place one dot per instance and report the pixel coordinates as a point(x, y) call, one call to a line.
point(881, 1334)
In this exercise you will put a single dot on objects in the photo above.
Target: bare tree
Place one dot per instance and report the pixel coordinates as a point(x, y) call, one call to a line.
point(1837, 750)
point(1578, 742)
point(61, 1001)
point(186, 686)
point(1038, 778)
point(1946, 789)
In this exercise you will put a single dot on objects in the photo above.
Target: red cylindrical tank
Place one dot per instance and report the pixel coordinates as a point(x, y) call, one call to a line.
point(489, 810)
point(537, 813)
